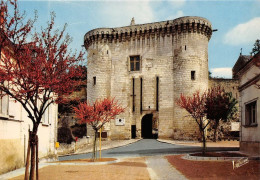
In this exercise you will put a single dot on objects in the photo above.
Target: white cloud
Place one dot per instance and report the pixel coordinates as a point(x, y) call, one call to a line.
point(177, 15)
point(121, 13)
point(244, 33)
point(177, 3)
point(221, 72)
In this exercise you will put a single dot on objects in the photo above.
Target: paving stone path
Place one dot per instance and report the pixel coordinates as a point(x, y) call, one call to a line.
point(160, 169)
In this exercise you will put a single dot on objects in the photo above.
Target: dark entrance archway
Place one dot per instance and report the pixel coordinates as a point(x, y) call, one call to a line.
point(147, 126)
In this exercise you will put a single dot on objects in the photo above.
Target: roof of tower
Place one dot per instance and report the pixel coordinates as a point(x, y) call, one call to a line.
point(179, 25)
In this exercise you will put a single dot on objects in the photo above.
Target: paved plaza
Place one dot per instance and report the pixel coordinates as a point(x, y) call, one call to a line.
point(142, 159)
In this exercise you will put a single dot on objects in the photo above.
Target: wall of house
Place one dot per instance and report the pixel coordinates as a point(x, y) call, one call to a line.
point(250, 135)
point(14, 128)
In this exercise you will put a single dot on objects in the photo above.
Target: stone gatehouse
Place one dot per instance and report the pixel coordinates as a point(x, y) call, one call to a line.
point(146, 67)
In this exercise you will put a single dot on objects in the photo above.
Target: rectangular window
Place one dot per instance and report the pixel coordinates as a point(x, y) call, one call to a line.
point(94, 80)
point(192, 75)
point(250, 114)
point(135, 63)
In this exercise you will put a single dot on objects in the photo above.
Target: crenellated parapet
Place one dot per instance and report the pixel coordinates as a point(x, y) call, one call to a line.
point(188, 24)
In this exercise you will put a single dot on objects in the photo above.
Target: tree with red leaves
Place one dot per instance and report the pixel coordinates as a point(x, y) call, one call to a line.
point(97, 115)
point(195, 105)
point(36, 73)
point(212, 106)
point(220, 105)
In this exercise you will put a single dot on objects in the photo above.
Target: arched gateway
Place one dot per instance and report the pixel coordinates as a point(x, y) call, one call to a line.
point(147, 126)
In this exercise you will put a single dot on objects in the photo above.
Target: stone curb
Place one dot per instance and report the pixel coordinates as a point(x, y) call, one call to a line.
point(83, 163)
point(199, 158)
point(102, 149)
point(178, 143)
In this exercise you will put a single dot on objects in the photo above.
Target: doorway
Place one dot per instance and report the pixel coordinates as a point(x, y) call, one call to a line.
point(133, 131)
point(147, 126)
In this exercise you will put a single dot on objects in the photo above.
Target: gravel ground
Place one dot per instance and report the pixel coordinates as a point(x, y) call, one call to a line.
point(215, 170)
point(127, 169)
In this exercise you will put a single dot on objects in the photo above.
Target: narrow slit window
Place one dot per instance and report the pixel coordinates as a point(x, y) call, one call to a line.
point(94, 80)
point(141, 95)
point(157, 93)
point(193, 75)
point(133, 94)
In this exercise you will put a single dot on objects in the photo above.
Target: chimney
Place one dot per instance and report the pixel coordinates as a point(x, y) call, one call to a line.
point(132, 22)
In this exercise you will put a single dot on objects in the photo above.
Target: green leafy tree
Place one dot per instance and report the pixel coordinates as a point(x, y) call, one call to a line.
point(256, 48)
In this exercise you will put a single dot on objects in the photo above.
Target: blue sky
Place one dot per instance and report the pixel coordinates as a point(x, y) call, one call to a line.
point(237, 21)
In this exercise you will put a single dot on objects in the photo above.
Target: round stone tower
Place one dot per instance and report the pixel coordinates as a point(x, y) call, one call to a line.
point(190, 66)
point(146, 67)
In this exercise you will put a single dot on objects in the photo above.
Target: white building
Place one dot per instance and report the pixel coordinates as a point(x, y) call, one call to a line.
point(249, 76)
point(14, 127)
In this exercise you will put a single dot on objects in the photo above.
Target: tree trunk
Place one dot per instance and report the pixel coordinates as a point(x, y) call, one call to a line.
point(37, 158)
point(202, 132)
point(28, 157)
point(215, 131)
point(94, 155)
point(204, 142)
point(33, 145)
point(32, 157)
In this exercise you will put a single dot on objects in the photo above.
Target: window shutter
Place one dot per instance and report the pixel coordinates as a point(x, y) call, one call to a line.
point(46, 120)
point(247, 115)
point(5, 104)
point(50, 114)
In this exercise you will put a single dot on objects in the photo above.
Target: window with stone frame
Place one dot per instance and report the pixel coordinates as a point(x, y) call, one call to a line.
point(134, 63)
point(251, 113)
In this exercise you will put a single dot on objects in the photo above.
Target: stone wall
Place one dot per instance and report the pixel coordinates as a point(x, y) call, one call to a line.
point(230, 85)
point(169, 51)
